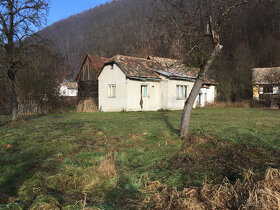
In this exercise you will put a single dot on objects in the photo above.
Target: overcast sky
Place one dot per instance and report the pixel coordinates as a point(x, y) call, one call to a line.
point(60, 9)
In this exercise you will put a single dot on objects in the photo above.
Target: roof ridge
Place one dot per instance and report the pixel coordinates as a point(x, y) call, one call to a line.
point(88, 54)
point(131, 57)
point(163, 58)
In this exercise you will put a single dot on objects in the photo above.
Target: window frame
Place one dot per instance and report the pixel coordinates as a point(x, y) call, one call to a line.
point(261, 89)
point(112, 90)
point(185, 90)
point(147, 91)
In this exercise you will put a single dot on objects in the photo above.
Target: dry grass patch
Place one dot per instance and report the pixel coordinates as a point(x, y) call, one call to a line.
point(247, 194)
point(238, 104)
point(217, 159)
point(87, 105)
point(107, 166)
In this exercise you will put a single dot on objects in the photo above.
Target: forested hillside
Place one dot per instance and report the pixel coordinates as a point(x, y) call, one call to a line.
point(250, 38)
point(119, 27)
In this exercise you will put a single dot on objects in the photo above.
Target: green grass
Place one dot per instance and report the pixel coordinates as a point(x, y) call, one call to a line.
point(53, 154)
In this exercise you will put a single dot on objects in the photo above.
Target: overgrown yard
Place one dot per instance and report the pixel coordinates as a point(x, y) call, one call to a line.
point(104, 160)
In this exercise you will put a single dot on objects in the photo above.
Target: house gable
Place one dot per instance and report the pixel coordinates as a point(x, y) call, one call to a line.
point(112, 91)
point(91, 68)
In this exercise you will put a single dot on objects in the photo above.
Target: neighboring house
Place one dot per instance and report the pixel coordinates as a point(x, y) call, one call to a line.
point(87, 78)
point(68, 89)
point(266, 85)
point(134, 84)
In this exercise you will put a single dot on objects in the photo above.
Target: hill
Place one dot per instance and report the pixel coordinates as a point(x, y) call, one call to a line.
point(118, 27)
point(251, 38)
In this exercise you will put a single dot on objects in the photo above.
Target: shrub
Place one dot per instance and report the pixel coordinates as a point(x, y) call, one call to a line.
point(87, 105)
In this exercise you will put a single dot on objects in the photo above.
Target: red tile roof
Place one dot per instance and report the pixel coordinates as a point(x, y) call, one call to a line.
point(154, 68)
point(97, 62)
point(136, 67)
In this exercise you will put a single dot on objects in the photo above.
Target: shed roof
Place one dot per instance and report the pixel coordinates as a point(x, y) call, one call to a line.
point(70, 85)
point(266, 75)
point(97, 62)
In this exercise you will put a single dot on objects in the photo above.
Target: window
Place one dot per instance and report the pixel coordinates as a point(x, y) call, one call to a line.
point(182, 92)
point(268, 89)
point(275, 89)
point(261, 90)
point(112, 91)
point(144, 90)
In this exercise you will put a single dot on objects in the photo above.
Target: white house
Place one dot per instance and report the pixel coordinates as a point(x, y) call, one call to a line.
point(68, 89)
point(135, 84)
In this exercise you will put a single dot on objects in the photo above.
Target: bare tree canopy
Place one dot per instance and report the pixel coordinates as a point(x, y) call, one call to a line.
point(19, 19)
point(193, 22)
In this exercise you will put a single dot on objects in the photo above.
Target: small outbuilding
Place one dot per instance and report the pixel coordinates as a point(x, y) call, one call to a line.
point(68, 89)
point(266, 85)
point(87, 77)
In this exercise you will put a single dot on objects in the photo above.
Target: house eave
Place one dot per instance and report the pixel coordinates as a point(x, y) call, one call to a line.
point(265, 83)
point(182, 78)
point(144, 79)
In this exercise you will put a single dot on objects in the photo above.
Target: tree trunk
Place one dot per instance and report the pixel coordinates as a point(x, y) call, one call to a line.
point(186, 115)
point(13, 95)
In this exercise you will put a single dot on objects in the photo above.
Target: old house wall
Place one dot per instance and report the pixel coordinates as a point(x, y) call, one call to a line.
point(88, 89)
point(112, 76)
point(206, 96)
point(87, 71)
point(137, 101)
point(161, 94)
point(172, 102)
point(88, 82)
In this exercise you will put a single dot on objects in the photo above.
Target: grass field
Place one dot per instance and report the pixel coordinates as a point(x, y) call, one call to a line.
point(101, 160)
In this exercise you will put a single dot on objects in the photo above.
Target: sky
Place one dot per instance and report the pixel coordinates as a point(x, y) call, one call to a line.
point(61, 9)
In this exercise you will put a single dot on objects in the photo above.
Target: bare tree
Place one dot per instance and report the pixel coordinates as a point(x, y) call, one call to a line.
point(18, 20)
point(198, 24)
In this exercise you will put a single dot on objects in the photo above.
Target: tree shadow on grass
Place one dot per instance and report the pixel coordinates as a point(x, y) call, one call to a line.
point(169, 125)
point(217, 159)
point(20, 119)
point(18, 166)
point(33, 117)
point(123, 195)
point(2, 124)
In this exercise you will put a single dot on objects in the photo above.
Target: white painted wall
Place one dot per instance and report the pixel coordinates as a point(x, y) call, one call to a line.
point(161, 95)
point(206, 95)
point(171, 101)
point(116, 77)
point(150, 103)
point(64, 91)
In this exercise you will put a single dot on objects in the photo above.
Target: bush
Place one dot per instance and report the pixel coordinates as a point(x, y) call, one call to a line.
point(87, 105)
